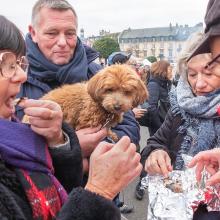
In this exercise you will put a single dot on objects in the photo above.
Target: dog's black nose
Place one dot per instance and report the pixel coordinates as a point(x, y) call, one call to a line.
point(117, 107)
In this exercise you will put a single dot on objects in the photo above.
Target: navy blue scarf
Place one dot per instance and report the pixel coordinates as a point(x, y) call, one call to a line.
point(44, 70)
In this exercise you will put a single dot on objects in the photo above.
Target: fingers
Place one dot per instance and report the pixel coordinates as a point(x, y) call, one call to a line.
point(134, 173)
point(85, 165)
point(123, 144)
point(101, 134)
point(209, 155)
point(44, 113)
point(158, 162)
point(152, 167)
point(199, 170)
point(38, 122)
point(44, 109)
point(215, 179)
point(196, 159)
point(27, 103)
point(102, 148)
point(45, 118)
point(165, 165)
point(97, 135)
point(89, 138)
point(209, 160)
point(112, 167)
point(139, 112)
point(212, 167)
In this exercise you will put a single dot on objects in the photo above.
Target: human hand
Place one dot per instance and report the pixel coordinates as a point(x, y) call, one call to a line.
point(158, 162)
point(139, 112)
point(85, 165)
point(89, 138)
point(113, 167)
point(210, 160)
point(45, 118)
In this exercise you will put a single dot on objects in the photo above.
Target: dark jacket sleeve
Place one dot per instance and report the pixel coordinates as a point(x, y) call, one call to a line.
point(68, 163)
point(154, 97)
point(161, 139)
point(128, 127)
point(85, 205)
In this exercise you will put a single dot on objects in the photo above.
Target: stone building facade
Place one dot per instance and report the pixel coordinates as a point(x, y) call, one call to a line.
point(161, 42)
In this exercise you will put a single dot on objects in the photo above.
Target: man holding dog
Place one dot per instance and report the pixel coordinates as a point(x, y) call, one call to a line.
point(57, 56)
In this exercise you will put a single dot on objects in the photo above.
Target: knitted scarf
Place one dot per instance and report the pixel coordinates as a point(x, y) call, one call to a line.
point(44, 70)
point(201, 127)
point(27, 152)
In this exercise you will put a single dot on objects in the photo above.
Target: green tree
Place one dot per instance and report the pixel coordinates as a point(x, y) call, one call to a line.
point(152, 59)
point(106, 46)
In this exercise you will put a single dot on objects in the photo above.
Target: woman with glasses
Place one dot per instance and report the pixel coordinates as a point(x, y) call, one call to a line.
point(191, 125)
point(36, 158)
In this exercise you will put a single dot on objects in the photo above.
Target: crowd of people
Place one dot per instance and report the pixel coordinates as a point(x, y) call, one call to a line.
point(44, 171)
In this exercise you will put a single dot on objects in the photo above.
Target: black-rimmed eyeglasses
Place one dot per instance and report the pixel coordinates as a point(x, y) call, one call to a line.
point(209, 64)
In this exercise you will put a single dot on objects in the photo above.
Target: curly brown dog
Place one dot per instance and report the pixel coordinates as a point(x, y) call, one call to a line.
point(102, 100)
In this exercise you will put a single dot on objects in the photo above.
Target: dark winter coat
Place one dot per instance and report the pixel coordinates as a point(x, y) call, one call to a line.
point(35, 88)
point(81, 204)
point(168, 139)
point(158, 101)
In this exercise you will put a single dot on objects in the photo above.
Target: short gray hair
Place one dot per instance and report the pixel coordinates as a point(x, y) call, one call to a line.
point(61, 5)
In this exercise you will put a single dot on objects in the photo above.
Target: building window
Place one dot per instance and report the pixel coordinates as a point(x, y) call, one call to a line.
point(153, 51)
point(179, 48)
point(170, 53)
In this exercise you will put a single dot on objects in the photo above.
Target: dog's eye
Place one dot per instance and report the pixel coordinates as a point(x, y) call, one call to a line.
point(127, 92)
point(109, 90)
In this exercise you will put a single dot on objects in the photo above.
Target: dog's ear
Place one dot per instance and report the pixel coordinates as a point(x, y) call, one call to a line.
point(141, 93)
point(94, 87)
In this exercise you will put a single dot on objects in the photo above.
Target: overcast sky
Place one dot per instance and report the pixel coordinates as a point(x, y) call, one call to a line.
point(117, 15)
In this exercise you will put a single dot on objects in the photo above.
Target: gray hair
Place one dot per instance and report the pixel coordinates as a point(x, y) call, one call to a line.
point(192, 43)
point(61, 5)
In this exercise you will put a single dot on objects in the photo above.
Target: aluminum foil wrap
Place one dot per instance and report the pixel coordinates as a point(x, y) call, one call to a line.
point(179, 195)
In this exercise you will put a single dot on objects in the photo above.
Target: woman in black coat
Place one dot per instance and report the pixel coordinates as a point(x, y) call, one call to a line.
point(158, 87)
point(191, 125)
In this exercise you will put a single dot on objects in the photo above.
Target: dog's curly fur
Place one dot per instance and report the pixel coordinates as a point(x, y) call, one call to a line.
point(107, 95)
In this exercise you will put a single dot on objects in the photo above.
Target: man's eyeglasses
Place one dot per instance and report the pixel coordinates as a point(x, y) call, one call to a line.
point(9, 64)
point(214, 60)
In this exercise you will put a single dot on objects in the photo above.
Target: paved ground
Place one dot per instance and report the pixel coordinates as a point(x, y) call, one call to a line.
point(140, 207)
